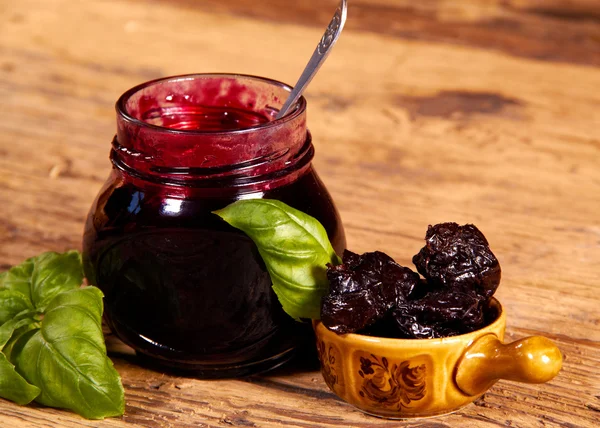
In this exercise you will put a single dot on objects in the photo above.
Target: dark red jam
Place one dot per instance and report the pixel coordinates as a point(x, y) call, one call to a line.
point(181, 286)
point(205, 118)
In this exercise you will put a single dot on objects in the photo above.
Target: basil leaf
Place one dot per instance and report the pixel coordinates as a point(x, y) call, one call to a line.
point(8, 328)
point(12, 302)
point(13, 386)
point(294, 247)
point(63, 355)
point(18, 279)
point(54, 273)
point(67, 359)
point(16, 337)
point(39, 279)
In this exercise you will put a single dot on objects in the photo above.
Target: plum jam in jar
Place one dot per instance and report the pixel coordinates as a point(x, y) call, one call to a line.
point(181, 286)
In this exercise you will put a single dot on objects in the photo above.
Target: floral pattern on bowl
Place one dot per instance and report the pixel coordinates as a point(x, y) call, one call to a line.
point(327, 357)
point(392, 385)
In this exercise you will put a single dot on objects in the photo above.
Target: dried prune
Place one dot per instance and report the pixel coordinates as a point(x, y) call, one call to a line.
point(350, 312)
point(363, 289)
point(360, 272)
point(458, 257)
point(439, 314)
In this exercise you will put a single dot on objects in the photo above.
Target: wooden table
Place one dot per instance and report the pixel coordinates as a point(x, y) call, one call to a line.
point(473, 111)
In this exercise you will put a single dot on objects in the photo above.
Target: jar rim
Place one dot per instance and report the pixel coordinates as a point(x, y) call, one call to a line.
point(121, 105)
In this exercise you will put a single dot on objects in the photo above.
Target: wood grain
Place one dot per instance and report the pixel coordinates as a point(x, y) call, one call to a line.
point(475, 111)
point(562, 31)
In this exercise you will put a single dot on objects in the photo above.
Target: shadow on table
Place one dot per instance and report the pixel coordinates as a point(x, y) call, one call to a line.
point(304, 360)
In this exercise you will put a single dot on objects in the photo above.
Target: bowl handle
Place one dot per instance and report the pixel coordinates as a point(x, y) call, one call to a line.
point(533, 359)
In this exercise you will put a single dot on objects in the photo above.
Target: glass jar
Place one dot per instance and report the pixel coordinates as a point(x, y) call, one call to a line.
point(181, 286)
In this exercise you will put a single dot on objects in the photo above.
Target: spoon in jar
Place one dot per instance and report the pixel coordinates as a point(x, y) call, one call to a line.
point(334, 29)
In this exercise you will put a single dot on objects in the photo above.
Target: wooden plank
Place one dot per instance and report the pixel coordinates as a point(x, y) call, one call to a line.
point(561, 30)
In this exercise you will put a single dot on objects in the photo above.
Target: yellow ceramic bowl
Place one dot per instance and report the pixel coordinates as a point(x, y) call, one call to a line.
point(407, 378)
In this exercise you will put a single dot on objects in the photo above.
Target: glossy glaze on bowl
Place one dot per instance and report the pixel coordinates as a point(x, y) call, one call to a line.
point(408, 378)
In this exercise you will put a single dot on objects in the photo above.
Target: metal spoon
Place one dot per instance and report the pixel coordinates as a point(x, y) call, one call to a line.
point(334, 29)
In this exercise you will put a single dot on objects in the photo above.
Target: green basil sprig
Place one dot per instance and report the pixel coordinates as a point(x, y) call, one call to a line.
point(294, 247)
point(51, 344)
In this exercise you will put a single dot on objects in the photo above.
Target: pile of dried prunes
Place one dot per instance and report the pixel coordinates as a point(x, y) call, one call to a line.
point(372, 294)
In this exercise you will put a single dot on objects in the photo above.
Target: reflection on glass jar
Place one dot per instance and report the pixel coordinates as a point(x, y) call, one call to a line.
point(181, 286)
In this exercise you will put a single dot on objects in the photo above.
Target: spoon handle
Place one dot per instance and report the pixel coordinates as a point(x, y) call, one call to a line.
point(334, 29)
